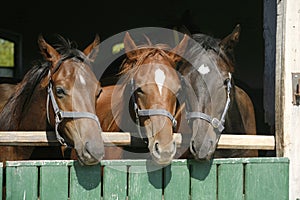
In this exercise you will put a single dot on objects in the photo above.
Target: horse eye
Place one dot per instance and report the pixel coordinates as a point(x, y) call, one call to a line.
point(60, 92)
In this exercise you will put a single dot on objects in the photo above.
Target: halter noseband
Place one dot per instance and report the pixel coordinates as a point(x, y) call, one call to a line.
point(147, 112)
point(217, 124)
point(59, 114)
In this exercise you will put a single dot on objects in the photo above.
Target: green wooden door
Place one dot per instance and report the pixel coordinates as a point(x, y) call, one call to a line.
point(219, 179)
point(21, 180)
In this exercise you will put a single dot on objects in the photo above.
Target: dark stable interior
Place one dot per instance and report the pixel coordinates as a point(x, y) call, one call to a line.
point(80, 21)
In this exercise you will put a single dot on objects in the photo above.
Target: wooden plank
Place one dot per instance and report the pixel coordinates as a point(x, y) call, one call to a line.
point(1, 179)
point(144, 183)
point(177, 181)
point(227, 141)
point(203, 180)
point(267, 180)
point(43, 138)
point(262, 142)
point(230, 181)
point(85, 182)
point(21, 182)
point(54, 180)
point(115, 182)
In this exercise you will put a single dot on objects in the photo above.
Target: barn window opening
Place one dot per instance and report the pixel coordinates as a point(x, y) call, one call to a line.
point(6, 53)
point(10, 54)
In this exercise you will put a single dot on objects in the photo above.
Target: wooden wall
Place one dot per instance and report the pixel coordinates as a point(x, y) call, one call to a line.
point(287, 114)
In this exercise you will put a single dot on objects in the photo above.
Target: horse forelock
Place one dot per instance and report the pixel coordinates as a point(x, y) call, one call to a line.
point(71, 53)
point(211, 48)
point(130, 67)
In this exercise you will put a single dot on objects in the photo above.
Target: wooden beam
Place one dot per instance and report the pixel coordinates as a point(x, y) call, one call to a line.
point(261, 142)
point(43, 138)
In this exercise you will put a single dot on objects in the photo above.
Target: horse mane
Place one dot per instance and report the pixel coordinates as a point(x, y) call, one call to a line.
point(18, 103)
point(130, 67)
point(209, 43)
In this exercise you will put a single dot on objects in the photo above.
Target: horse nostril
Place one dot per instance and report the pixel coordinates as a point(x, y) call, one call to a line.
point(156, 147)
point(192, 148)
point(174, 146)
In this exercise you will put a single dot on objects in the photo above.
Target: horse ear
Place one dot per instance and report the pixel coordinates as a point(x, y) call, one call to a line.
point(130, 47)
point(47, 50)
point(177, 52)
point(92, 50)
point(230, 41)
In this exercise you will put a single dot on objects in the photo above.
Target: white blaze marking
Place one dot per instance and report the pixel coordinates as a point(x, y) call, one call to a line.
point(82, 81)
point(203, 69)
point(159, 79)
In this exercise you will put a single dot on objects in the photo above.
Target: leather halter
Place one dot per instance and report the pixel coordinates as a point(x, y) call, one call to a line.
point(61, 115)
point(217, 124)
point(147, 112)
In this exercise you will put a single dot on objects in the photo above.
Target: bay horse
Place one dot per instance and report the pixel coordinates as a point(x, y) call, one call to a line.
point(7, 88)
point(144, 99)
point(214, 104)
point(57, 94)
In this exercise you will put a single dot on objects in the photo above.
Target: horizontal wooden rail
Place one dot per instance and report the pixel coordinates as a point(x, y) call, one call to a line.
point(43, 138)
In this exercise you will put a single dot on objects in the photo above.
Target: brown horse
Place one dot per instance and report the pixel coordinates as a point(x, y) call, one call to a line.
point(50, 97)
point(144, 100)
point(6, 90)
point(215, 105)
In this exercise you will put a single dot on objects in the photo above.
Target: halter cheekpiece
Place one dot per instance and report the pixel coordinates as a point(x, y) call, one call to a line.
point(147, 112)
point(216, 123)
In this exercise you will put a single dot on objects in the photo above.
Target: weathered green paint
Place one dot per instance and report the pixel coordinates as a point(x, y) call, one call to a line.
point(238, 178)
point(115, 182)
point(267, 181)
point(54, 182)
point(177, 181)
point(1, 178)
point(203, 181)
point(21, 182)
point(144, 184)
point(230, 178)
point(85, 182)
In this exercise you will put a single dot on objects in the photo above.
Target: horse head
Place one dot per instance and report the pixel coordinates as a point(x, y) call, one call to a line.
point(207, 84)
point(153, 82)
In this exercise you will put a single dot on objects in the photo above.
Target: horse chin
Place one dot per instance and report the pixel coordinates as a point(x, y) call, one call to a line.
point(161, 157)
point(85, 157)
point(205, 151)
point(87, 162)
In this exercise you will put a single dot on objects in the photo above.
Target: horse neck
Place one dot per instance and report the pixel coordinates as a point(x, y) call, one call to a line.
point(30, 117)
point(35, 116)
point(109, 109)
point(233, 120)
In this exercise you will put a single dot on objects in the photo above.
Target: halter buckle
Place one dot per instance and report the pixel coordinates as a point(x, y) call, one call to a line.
point(217, 124)
point(58, 117)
